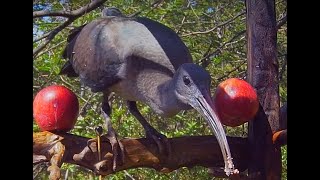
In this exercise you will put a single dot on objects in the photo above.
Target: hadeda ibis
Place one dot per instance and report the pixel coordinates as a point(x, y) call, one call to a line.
point(141, 60)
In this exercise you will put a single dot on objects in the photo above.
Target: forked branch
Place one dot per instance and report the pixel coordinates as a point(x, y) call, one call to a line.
point(72, 15)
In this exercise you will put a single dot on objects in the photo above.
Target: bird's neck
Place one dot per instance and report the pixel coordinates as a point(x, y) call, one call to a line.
point(168, 103)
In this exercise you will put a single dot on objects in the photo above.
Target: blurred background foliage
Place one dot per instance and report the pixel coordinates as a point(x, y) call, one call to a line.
point(214, 32)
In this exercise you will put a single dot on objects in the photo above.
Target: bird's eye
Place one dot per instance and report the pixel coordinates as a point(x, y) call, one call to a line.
point(186, 80)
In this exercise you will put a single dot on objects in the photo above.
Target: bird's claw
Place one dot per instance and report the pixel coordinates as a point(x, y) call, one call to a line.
point(117, 150)
point(161, 141)
point(116, 146)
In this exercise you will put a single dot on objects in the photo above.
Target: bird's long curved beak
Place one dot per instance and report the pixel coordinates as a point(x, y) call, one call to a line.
point(204, 105)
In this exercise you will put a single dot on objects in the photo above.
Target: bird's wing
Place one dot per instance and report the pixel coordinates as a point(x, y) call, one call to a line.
point(95, 57)
point(106, 50)
point(67, 53)
point(171, 44)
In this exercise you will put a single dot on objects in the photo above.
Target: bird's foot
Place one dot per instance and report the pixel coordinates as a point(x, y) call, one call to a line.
point(116, 148)
point(161, 141)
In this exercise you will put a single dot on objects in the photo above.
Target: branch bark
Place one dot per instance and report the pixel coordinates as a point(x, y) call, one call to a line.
point(186, 152)
point(70, 14)
point(263, 67)
point(47, 12)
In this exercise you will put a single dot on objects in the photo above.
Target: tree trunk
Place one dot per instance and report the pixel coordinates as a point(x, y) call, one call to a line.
point(265, 159)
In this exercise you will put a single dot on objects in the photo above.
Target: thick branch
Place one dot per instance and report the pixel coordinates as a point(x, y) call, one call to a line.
point(186, 152)
point(47, 12)
point(70, 14)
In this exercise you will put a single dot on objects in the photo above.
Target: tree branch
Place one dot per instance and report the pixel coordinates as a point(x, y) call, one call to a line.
point(70, 14)
point(205, 61)
point(283, 67)
point(231, 71)
point(74, 15)
point(186, 152)
point(51, 48)
point(153, 6)
point(41, 37)
point(281, 22)
point(219, 25)
point(182, 21)
point(207, 55)
point(47, 12)
point(52, 34)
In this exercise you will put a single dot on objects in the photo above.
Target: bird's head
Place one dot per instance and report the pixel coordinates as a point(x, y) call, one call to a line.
point(192, 87)
point(191, 82)
point(111, 11)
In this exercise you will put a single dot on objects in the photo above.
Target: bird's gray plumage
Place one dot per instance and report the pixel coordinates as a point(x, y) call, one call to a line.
point(111, 11)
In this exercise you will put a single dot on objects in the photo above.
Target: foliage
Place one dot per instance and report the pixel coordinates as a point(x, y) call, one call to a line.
point(284, 162)
point(214, 31)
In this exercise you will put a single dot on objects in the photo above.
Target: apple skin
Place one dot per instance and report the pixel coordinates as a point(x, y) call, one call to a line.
point(236, 102)
point(55, 108)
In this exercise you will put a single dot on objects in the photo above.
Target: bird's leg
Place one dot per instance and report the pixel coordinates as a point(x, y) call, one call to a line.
point(111, 134)
point(160, 139)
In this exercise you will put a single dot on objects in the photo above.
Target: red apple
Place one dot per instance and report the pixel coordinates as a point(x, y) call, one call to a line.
point(236, 102)
point(55, 108)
